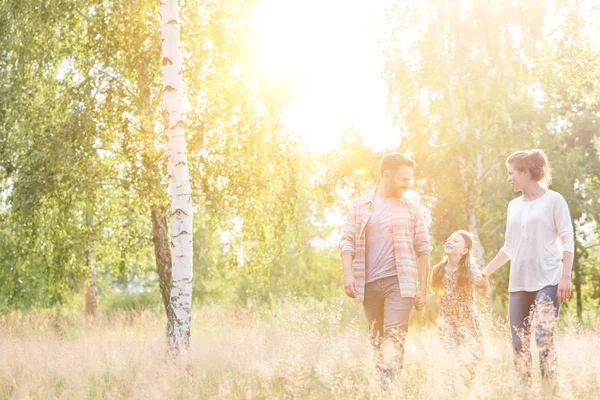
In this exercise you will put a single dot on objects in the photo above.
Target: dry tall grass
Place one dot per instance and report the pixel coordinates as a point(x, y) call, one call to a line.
point(291, 351)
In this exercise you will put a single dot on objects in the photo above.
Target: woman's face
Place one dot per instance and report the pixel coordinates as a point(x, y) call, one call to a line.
point(517, 179)
point(456, 245)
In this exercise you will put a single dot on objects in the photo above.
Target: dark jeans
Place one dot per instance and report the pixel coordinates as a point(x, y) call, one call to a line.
point(387, 314)
point(522, 308)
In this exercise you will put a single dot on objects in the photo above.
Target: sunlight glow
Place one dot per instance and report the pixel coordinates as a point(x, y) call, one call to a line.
point(327, 51)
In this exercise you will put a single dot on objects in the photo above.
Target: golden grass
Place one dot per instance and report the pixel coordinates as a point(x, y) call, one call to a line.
point(290, 351)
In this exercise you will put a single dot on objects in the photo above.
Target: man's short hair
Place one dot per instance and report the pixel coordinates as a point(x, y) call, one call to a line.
point(393, 161)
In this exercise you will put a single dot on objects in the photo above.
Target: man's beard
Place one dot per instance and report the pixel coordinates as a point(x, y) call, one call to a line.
point(400, 189)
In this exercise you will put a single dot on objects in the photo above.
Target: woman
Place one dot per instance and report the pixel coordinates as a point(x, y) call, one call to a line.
point(537, 223)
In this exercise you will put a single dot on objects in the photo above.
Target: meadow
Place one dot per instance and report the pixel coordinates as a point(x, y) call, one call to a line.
point(290, 350)
point(146, 142)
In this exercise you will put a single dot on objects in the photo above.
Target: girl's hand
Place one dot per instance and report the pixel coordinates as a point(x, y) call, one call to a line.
point(482, 282)
point(564, 289)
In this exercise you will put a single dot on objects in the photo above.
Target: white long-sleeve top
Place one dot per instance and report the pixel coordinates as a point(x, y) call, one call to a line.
point(537, 233)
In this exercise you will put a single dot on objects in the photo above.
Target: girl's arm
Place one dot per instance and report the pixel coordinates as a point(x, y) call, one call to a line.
point(482, 290)
point(433, 298)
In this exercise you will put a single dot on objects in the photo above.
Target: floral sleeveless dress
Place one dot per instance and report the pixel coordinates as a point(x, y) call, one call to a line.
point(458, 320)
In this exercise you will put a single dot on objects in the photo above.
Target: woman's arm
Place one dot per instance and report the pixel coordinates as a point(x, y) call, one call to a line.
point(498, 261)
point(483, 281)
point(564, 228)
point(477, 274)
point(564, 286)
point(501, 258)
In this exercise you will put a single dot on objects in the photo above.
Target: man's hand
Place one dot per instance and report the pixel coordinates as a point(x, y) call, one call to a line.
point(564, 289)
point(420, 300)
point(350, 286)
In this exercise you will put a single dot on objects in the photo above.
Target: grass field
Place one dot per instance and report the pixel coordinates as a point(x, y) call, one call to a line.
point(289, 351)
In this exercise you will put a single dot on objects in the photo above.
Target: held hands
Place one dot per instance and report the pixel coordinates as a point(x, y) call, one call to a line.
point(350, 286)
point(482, 282)
point(420, 300)
point(564, 289)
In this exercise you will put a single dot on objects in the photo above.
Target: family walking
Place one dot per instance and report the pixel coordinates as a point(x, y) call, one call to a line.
point(385, 252)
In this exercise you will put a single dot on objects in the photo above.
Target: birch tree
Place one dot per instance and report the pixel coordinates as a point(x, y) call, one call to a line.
point(179, 310)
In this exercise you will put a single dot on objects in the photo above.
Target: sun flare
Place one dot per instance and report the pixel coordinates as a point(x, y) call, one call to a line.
point(327, 52)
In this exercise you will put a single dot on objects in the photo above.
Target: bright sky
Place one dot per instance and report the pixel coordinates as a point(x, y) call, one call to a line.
point(328, 48)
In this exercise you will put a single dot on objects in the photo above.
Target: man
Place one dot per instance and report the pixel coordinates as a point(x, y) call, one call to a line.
point(385, 254)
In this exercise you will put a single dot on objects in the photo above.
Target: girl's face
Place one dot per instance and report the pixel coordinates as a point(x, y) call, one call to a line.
point(517, 179)
point(456, 245)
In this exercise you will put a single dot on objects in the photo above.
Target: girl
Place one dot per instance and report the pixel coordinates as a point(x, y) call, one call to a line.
point(453, 282)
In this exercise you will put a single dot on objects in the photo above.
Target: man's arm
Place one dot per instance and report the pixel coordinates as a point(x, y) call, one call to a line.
point(347, 246)
point(423, 275)
point(349, 281)
point(422, 248)
point(423, 268)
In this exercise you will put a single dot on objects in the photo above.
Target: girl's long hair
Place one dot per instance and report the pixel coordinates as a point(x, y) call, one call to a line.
point(464, 281)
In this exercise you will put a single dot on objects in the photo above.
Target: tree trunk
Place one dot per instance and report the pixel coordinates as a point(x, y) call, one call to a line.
point(473, 193)
point(152, 176)
point(162, 251)
point(91, 295)
point(180, 305)
point(473, 228)
point(577, 277)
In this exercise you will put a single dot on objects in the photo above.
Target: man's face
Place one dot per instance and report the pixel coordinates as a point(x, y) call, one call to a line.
point(400, 179)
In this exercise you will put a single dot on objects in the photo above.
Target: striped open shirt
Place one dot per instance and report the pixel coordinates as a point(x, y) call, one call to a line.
point(411, 240)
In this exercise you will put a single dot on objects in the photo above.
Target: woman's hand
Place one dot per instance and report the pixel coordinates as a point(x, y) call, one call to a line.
point(482, 282)
point(564, 289)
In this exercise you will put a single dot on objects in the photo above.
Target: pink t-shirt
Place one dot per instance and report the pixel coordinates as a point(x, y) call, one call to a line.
point(380, 259)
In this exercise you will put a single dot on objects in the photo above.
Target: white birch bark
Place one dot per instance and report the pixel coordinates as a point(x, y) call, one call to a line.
point(473, 196)
point(179, 312)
